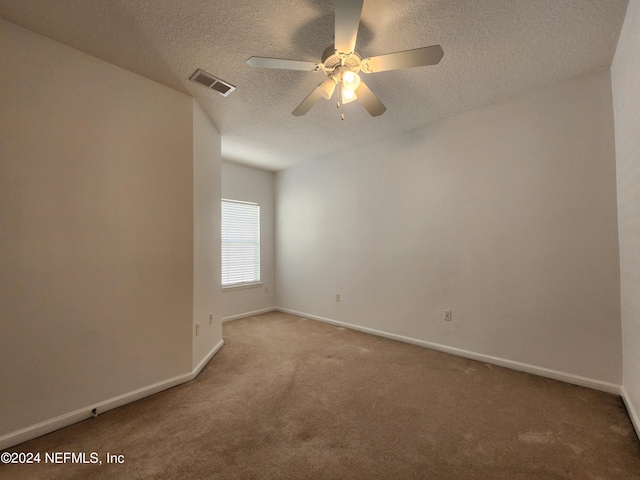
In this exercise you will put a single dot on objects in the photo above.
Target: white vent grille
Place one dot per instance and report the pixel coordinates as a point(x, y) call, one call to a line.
point(207, 80)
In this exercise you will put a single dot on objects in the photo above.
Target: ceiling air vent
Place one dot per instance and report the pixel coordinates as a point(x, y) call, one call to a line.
point(209, 81)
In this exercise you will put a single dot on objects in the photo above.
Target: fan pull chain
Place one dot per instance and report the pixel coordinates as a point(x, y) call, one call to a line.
point(339, 105)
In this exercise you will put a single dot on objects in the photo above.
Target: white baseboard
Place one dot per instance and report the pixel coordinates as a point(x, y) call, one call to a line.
point(70, 418)
point(248, 314)
point(502, 362)
point(203, 363)
point(633, 414)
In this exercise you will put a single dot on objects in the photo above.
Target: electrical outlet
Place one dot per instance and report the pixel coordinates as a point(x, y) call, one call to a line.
point(447, 316)
point(197, 329)
point(337, 297)
point(266, 289)
point(211, 318)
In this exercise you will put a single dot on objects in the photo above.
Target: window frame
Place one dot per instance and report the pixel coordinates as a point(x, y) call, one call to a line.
point(256, 227)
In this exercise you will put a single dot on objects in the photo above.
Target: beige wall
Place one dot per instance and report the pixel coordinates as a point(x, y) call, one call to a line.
point(241, 182)
point(207, 297)
point(504, 215)
point(625, 74)
point(97, 231)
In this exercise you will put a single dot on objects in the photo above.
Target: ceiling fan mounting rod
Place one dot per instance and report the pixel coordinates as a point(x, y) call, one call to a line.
point(343, 56)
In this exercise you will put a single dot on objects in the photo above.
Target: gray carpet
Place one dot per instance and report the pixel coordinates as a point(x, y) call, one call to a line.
point(291, 398)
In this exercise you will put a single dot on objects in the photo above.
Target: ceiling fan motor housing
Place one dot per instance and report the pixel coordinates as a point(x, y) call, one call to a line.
point(332, 62)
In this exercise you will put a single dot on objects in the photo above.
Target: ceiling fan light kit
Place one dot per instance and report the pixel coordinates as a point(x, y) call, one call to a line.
point(342, 63)
point(327, 88)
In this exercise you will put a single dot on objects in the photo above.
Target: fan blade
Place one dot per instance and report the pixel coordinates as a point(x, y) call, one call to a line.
point(418, 57)
point(347, 23)
point(369, 101)
point(265, 62)
point(313, 97)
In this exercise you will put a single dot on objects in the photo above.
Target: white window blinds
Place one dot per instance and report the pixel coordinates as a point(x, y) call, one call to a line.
point(240, 242)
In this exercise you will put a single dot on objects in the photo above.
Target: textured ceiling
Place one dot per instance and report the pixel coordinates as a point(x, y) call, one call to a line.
point(494, 50)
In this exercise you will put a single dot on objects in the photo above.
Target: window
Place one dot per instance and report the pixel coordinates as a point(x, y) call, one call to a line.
point(240, 243)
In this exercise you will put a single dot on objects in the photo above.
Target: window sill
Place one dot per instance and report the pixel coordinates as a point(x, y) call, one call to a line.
point(241, 286)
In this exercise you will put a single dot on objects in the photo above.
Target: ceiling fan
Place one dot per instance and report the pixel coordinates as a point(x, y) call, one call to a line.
point(342, 63)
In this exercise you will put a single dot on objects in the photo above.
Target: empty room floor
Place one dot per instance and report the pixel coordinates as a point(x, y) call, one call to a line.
point(288, 397)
